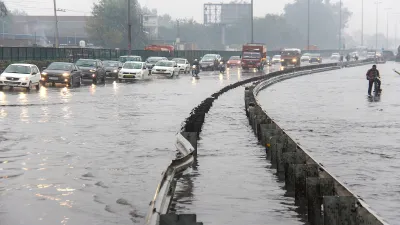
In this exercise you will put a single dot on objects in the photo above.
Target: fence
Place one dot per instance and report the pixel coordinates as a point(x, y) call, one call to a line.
point(38, 53)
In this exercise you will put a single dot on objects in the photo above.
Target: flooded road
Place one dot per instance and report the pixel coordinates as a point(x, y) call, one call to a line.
point(233, 182)
point(357, 138)
point(94, 154)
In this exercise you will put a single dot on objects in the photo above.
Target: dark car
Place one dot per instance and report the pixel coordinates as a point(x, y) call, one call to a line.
point(151, 61)
point(112, 68)
point(315, 58)
point(92, 69)
point(388, 55)
point(61, 72)
point(210, 62)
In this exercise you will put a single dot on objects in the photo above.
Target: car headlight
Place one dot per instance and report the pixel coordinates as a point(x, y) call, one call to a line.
point(115, 71)
point(66, 74)
point(282, 60)
point(92, 71)
point(44, 74)
point(294, 60)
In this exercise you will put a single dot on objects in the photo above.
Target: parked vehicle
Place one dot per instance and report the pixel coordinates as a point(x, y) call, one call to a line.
point(131, 71)
point(61, 73)
point(112, 68)
point(276, 59)
point(126, 58)
point(315, 58)
point(92, 69)
point(183, 65)
point(210, 62)
point(290, 57)
point(151, 61)
point(234, 61)
point(166, 68)
point(252, 56)
point(20, 75)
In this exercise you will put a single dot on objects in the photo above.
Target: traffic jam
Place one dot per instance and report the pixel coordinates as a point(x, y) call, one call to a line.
point(130, 68)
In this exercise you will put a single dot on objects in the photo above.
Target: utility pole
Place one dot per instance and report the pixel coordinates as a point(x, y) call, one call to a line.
point(129, 29)
point(340, 25)
point(362, 22)
point(308, 26)
point(376, 28)
point(252, 23)
point(387, 27)
point(56, 42)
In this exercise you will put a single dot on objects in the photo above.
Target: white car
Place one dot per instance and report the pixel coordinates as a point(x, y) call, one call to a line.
point(21, 75)
point(132, 70)
point(183, 65)
point(166, 68)
point(276, 59)
point(335, 56)
point(305, 57)
point(371, 55)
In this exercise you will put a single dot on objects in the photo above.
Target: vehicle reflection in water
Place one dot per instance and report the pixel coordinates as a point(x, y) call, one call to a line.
point(115, 87)
point(67, 112)
point(194, 81)
point(24, 115)
point(92, 89)
point(3, 98)
point(43, 93)
point(239, 72)
point(3, 113)
point(22, 98)
point(221, 78)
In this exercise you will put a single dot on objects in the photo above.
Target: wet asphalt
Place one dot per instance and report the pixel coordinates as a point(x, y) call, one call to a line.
point(357, 138)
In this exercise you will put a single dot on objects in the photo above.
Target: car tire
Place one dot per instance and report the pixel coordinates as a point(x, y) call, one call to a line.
point(29, 88)
point(71, 82)
point(37, 86)
point(94, 81)
point(103, 80)
point(79, 83)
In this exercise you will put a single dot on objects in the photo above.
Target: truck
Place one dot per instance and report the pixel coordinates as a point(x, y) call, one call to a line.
point(161, 48)
point(290, 57)
point(253, 55)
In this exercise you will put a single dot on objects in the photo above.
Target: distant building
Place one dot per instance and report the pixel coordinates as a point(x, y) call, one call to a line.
point(24, 30)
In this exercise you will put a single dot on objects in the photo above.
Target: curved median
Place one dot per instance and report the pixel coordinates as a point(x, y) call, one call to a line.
point(186, 141)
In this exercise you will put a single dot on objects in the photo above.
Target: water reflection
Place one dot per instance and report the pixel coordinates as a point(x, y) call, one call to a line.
point(24, 117)
point(45, 114)
point(23, 98)
point(3, 98)
point(115, 87)
point(65, 94)
point(3, 113)
point(194, 81)
point(92, 89)
point(67, 112)
point(43, 93)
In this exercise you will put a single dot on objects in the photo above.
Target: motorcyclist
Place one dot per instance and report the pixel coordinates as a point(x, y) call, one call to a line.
point(372, 75)
point(348, 57)
point(197, 64)
point(221, 66)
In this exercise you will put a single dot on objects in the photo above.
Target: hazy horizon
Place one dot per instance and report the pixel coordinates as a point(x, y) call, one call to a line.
point(194, 9)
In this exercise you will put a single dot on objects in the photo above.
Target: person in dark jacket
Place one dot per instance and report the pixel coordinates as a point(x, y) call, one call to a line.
point(197, 64)
point(372, 75)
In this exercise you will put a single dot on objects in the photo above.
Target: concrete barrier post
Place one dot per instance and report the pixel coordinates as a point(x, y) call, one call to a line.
point(290, 158)
point(192, 138)
point(339, 210)
point(316, 189)
point(283, 140)
point(251, 113)
point(301, 173)
point(271, 148)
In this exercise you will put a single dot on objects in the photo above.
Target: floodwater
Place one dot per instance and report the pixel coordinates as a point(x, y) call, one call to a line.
point(232, 182)
point(94, 154)
point(357, 138)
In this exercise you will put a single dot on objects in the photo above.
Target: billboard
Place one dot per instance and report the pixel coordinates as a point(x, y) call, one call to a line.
point(150, 20)
point(226, 13)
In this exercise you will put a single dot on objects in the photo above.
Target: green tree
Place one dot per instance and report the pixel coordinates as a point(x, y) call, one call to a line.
point(108, 25)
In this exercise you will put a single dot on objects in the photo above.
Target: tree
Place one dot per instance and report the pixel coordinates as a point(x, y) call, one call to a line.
point(3, 9)
point(108, 25)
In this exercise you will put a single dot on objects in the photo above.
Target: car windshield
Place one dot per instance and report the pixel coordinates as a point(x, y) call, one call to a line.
point(315, 55)
point(132, 66)
point(234, 58)
point(129, 58)
point(290, 53)
point(207, 58)
point(18, 69)
point(276, 57)
point(153, 60)
point(110, 63)
point(164, 63)
point(251, 55)
point(86, 63)
point(60, 66)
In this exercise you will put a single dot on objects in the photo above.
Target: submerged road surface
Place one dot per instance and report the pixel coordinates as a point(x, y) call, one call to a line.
point(233, 182)
point(357, 138)
point(94, 154)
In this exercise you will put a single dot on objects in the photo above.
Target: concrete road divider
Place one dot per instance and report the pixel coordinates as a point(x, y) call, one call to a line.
point(264, 128)
point(322, 196)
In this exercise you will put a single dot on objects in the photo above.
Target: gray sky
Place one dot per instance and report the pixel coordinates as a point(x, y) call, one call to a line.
point(194, 9)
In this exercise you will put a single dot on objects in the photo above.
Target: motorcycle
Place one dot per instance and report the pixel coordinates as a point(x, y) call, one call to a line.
point(221, 67)
point(377, 90)
point(195, 71)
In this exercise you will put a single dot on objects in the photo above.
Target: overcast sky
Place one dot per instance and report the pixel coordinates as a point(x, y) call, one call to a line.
point(194, 9)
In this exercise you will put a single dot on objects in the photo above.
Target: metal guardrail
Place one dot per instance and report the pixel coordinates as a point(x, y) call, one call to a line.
point(186, 143)
point(309, 181)
point(44, 53)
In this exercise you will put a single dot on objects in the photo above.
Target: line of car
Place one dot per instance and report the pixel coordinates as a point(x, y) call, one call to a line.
point(127, 68)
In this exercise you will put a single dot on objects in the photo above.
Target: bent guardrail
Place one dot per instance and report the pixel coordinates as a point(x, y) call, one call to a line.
point(326, 200)
point(186, 142)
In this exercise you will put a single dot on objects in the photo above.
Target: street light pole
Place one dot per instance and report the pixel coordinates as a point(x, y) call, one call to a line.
point(252, 23)
point(340, 25)
point(129, 29)
point(56, 31)
point(308, 26)
point(362, 22)
point(376, 29)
